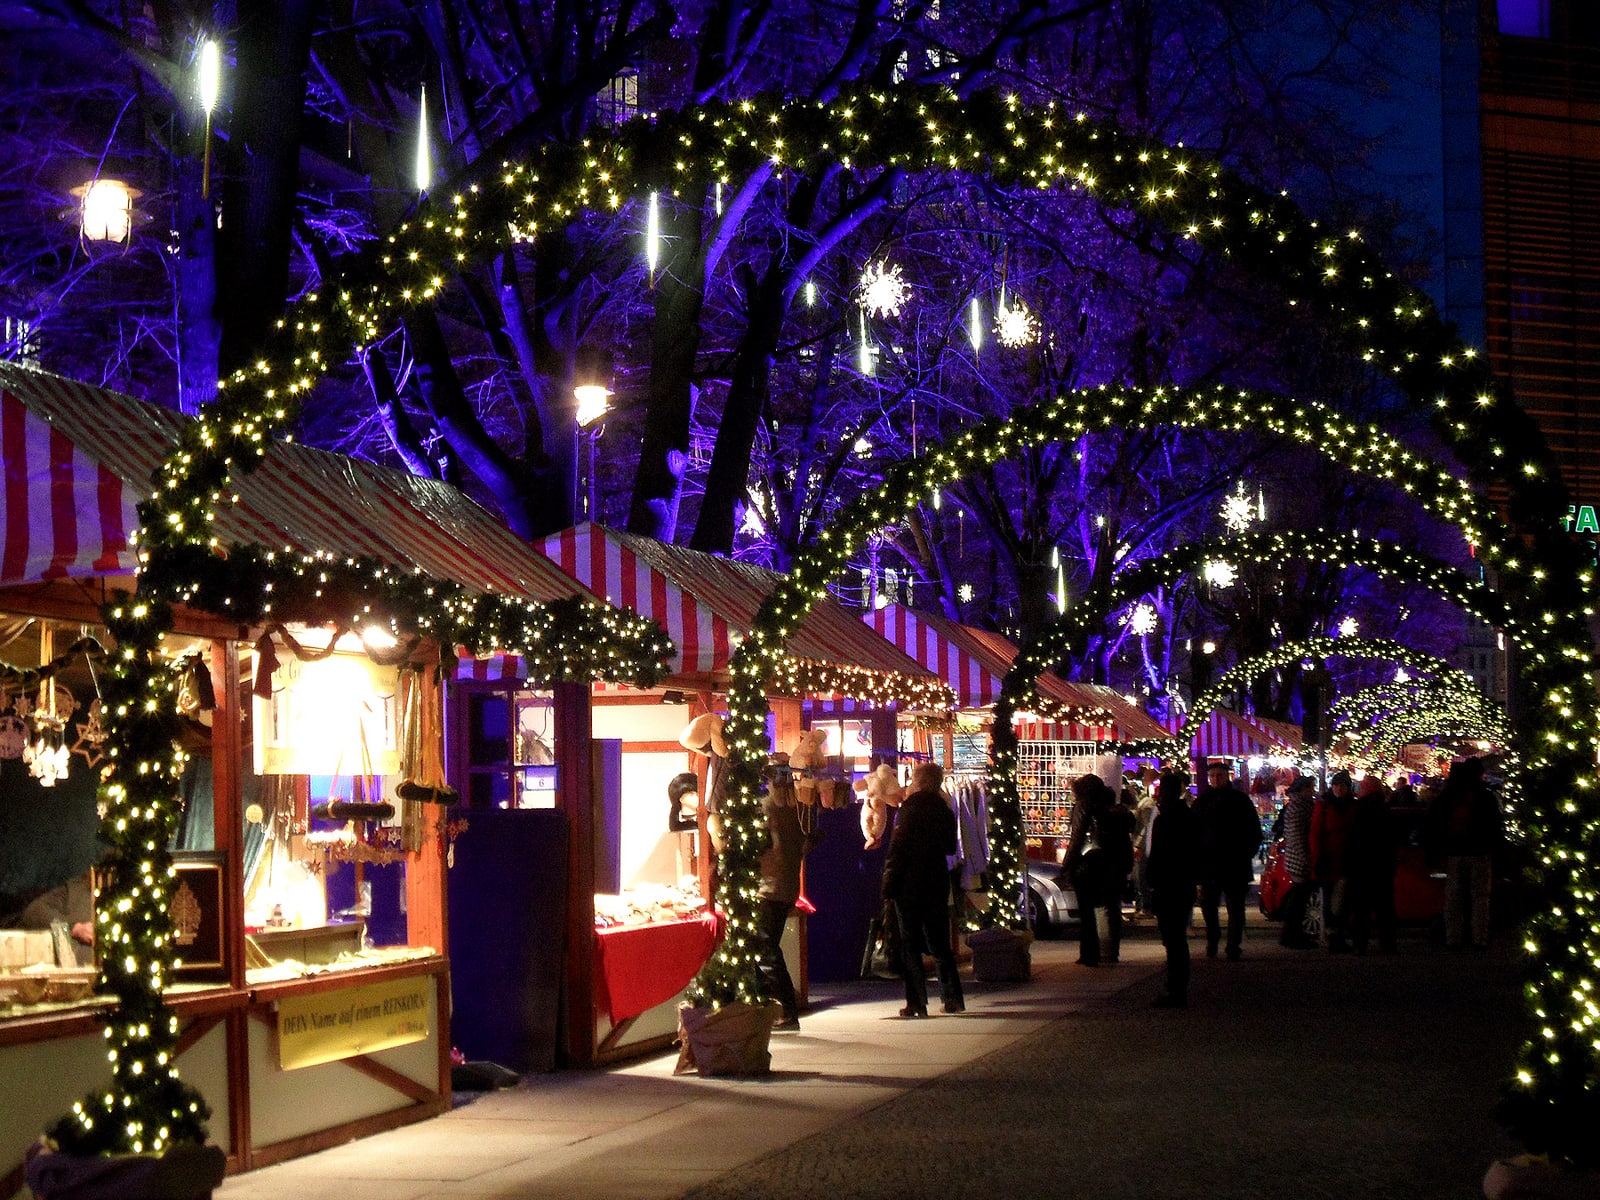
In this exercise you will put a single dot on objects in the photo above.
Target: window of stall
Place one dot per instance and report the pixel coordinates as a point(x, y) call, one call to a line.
point(52, 750)
point(326, 830)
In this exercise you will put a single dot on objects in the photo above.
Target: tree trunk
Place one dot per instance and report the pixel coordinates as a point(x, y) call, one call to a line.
point(274, 43)
point(664, 452)
point(199, 331)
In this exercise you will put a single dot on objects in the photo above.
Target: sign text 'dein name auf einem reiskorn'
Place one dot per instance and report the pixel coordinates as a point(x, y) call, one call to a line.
point(327, 1026)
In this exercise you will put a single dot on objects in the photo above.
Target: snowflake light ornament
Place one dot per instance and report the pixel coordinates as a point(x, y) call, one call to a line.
point(1015, 325)
point(1348, 627)
point(883, 290)
point(1238, 511)
point(1142, 619)
point(1220, 574)
point(964, 593)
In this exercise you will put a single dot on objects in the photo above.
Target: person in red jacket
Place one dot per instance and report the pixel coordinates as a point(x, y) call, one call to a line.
point(1330, 853)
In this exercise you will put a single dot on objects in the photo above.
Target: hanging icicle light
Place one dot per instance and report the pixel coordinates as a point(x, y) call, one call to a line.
point(652, 234)
point(883, 289)
point(716, 193)
point(210, 89)
point(975, 324)
point(424, 154)
point(1061, 588)
point(864, 360)
point(810, 293)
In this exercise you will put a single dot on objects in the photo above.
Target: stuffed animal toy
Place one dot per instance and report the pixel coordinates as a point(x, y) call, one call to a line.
point(704, 735)
point(880, 791)
point(806, 756)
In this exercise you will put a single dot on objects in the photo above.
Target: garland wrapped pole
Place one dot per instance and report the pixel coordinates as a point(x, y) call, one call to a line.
point(1554, 1100)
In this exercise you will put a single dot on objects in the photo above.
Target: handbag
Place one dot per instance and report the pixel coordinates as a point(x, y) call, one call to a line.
point(881, 959)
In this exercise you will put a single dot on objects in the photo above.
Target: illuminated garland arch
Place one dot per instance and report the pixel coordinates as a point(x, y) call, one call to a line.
point(1070, 634)
point(1392, 326)
point(1289, 653)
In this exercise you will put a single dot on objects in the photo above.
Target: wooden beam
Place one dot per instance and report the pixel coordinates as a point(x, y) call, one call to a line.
point(574, 735)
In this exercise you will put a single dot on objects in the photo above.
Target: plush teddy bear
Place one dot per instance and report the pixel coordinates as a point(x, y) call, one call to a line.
point(806, 756)
point(880, 791)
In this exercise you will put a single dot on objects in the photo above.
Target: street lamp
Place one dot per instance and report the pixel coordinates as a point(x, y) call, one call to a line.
point(594, 401)
point(105, 210)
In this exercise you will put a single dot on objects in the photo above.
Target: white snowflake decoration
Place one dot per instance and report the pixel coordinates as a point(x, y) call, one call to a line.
point(964, 593)
point(1220, 574)
point(1348, 627)
point(1401, 675)
point(883, 289)
point(1238, 511)
point(1015, 325)
point(1142, 619)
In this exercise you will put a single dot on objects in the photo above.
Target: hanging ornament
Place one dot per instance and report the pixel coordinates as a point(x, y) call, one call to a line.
point(92, 736)
point(1238, 510)
point(883, 290)
point(1015, 325)
point(424, 156)
point(975, 324)
point(652, 235)
point(210, 87)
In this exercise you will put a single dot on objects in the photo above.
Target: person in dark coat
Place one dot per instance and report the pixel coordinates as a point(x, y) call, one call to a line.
point(1370, 857)
point(779, 889)
point(1099, 857)
point(1228, 829)
point(1296, 816)
point(1464, 830)
point(1171, 870)
point(916, 877)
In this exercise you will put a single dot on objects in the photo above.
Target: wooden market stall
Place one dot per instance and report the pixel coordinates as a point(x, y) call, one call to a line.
point(314, 992)
point(1060, 739)
point(637, 929)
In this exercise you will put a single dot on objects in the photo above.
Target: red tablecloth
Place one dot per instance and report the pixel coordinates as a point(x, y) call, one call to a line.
point(637, 967)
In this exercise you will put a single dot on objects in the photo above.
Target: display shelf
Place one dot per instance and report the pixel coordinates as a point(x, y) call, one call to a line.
point(1045, 771)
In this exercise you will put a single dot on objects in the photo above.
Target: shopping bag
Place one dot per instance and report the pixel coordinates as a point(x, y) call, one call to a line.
point(881, 959)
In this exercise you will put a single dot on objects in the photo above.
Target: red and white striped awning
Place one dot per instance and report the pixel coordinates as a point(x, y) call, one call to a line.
point(1284, 735)
point(975, 662)
point(78, 458)
point(706, 602)
point(1225, 734)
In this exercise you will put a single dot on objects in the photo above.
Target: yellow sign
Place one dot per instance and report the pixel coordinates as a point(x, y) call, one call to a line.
point(327, 1026)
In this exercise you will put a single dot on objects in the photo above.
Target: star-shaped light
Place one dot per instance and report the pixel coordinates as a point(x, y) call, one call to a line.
point(883, 289)
point(1014, 325)
point(1238, 511)
point(1142, 620)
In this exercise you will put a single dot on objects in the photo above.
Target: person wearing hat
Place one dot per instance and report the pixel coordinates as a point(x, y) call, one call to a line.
point(1330, 847)
point(1297, 809)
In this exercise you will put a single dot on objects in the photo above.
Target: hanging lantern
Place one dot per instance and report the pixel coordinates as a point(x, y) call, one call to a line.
point(106, 210)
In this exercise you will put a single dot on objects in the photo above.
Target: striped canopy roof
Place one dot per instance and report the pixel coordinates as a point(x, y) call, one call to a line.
point(706, 602)
point(1225, 734)
point(77, 459)
point(975, 661)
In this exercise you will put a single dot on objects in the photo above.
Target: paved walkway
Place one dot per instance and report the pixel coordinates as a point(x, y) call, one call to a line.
point(1292, 1074)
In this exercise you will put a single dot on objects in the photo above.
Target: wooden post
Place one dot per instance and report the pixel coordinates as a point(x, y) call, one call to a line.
point(227, 773)
point(574, 733)
point(427, 898)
